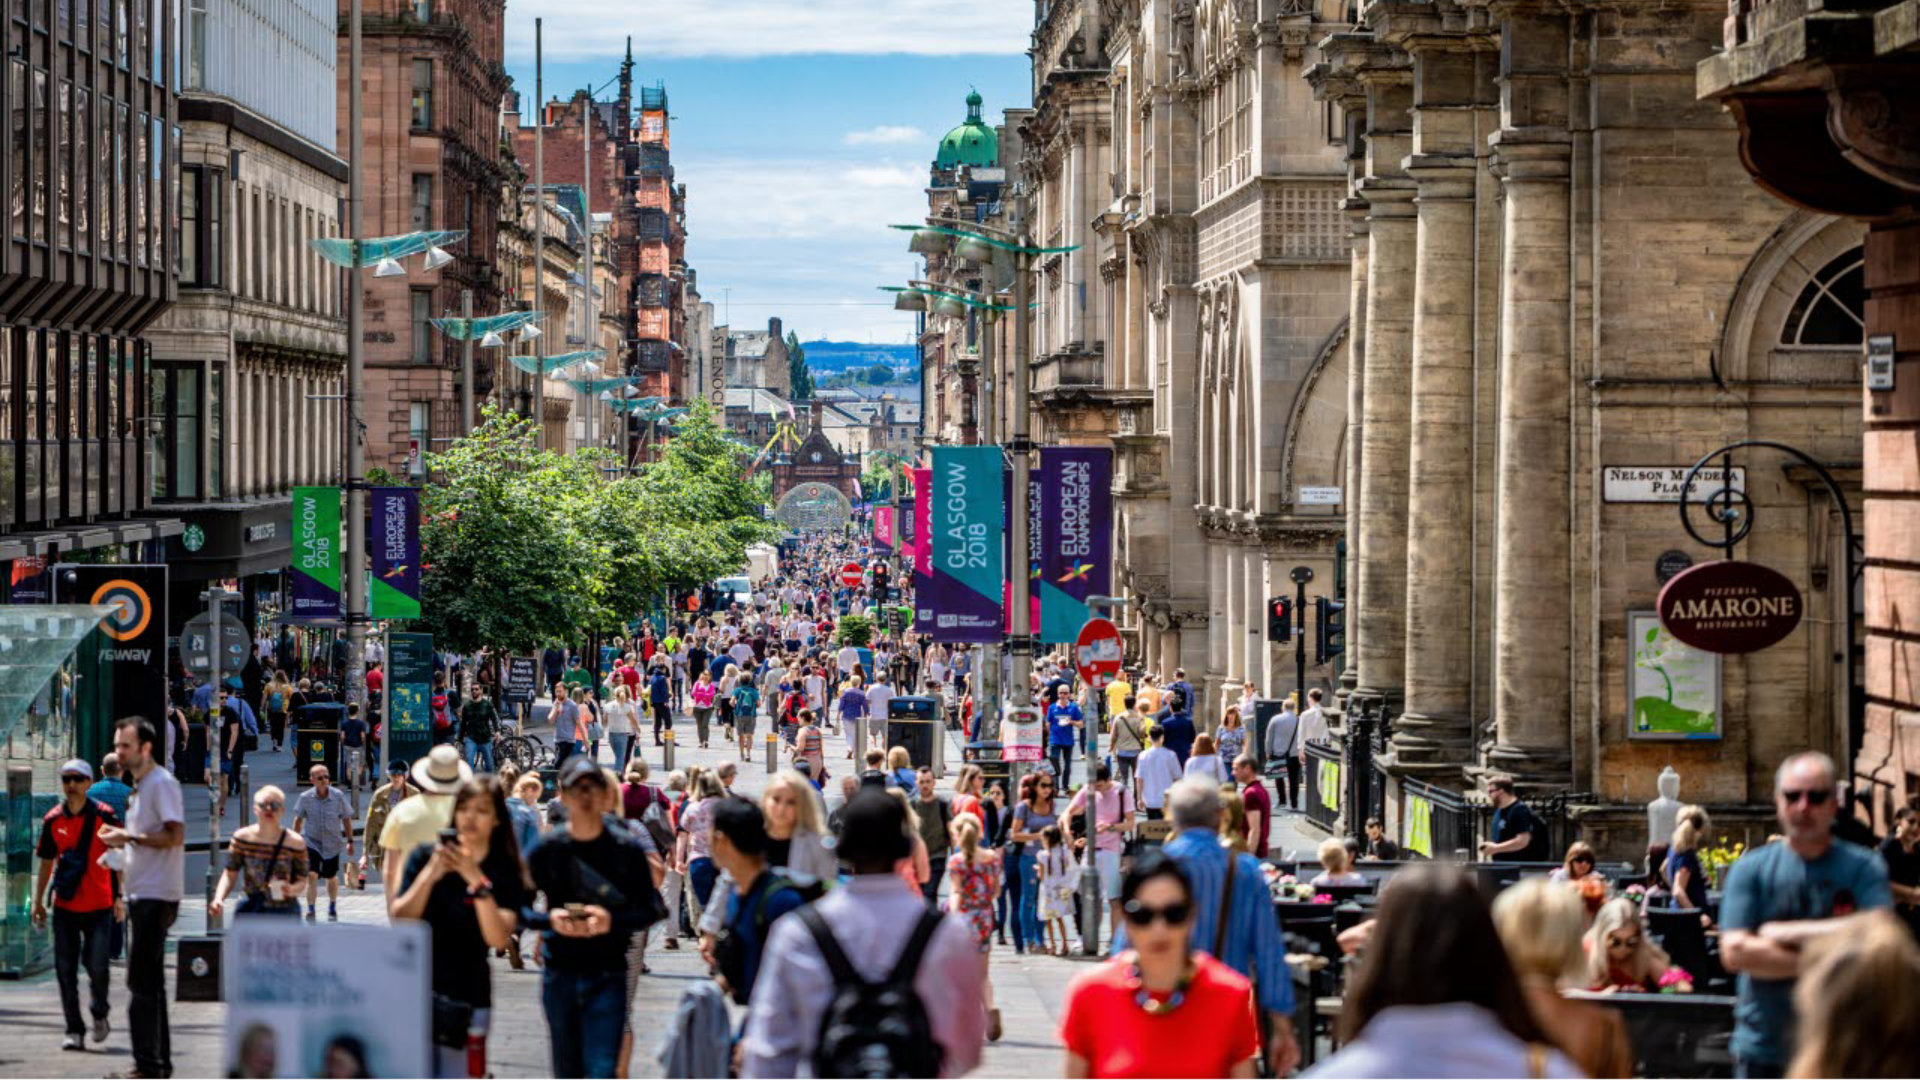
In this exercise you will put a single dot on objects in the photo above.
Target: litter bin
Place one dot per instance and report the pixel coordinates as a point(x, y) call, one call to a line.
point(317, 739)
point(915, 723)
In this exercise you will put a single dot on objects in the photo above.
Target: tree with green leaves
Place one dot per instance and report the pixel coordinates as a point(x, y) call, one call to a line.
point(797, 374)
point(879, 375)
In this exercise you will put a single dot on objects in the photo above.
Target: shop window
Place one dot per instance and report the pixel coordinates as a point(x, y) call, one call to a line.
point(423, 95)
point(1831, 309)
point(422, 201)
point(421, 329)
point(420, 435)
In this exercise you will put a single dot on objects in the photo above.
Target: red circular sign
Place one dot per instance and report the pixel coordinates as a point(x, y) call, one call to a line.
point(1096, 652)
point(851, 575)
point(1730, 607)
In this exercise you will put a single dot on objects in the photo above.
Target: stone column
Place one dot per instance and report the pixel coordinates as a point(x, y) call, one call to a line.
point(1435, 732)
point(1532, 631)
point(1356, 427)
point(1381, 606)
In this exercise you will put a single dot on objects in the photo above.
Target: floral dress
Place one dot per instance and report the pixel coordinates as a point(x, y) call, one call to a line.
point(1060, 877)
point(975, 884)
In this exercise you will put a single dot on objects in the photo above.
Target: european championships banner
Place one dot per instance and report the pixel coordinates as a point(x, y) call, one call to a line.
point(316, 553)
point(968, 567)
point(1036, 484)
point(922, 551)
point(396, 553)
point(1076, 537)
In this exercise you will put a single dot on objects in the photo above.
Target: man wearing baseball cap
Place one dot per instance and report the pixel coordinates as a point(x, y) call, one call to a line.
point(86, 900)
point(379, 805)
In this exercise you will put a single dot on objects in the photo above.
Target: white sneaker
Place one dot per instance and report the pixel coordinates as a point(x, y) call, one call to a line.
point(73, 1042)
point(100, 1030)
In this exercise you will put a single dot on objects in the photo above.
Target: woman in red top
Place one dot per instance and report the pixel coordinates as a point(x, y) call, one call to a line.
point(1159, 1009)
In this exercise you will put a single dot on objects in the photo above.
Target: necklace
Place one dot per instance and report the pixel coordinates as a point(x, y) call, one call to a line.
point(1146, 1001)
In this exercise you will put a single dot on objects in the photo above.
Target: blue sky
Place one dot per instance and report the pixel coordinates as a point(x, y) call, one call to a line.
point(800, 130)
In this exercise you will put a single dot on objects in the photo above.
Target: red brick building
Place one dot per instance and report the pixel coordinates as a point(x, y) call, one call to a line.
point(433, 77)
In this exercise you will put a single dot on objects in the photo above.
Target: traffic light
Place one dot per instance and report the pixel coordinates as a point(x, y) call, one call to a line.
point(1280, 620)
point(1329, 629)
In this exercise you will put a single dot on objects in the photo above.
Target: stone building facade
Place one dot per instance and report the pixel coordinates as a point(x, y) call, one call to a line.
point(247, 367)
point(1560, 280)
point(1812, 89)
point(433, 82)
point(758, 359)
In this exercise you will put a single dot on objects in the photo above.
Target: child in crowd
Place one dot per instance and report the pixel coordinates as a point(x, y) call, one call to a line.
point(1059, 875)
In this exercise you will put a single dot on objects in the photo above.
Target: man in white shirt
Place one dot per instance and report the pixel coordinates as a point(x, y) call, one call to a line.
point(1313, 722)
point(1158, 769)
point(878, 695)
point(154, 880)
point(1283, 754)
point(742, 654)
point(848, 659)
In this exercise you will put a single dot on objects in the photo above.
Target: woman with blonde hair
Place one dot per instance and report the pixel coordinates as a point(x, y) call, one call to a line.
point(1540, 924)
point(277, 697)
point(1858, 1002)
point(796, 829)
point(1686, 879)
point(900, 771)
point(916, 869)
point(620, 715)
point(975, 874)
point(1337, 865)
point(1620, 955)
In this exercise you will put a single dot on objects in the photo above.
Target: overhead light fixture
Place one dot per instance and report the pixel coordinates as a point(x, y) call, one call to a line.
point(910, 300)
point(436, 258)
point(948, 305)
point(529, 332)
point(973, 249)
point(492, 340)
point(929, 242)
point(389, 268)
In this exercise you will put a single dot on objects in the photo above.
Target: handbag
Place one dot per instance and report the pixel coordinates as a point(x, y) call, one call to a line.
point(452, 1018)
point(594, 886)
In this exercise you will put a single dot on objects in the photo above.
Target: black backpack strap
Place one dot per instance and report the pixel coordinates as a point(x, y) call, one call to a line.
point(837, 963)
point(905, 968)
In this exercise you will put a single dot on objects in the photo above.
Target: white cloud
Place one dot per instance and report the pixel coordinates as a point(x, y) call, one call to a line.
point(736, 28)
point(887, 176)
point(888, 135)
point(776, 200)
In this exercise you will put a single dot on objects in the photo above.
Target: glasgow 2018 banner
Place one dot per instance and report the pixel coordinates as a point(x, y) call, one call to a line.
point(395, 593)
point(1076, 536)
point(968, 568)
point(316, 553)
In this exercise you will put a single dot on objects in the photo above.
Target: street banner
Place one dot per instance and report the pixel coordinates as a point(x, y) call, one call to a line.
point(883, 527)
point(922, 551)
point(522, 681)
point(28, 580)
point(121, 668)
point(968, 563)
point(1076, 536)
point(316, 554)
point(396, 553)
point(339, 1000)
point(409, 732)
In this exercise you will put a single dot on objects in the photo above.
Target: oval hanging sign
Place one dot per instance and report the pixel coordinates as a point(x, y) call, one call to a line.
point(1730, 607)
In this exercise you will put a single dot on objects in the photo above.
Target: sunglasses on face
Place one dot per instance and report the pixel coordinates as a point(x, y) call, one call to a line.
point(1174, 914)
point(1629, 943)
point(73, 779)
point(1814, 796)
point(268, 807)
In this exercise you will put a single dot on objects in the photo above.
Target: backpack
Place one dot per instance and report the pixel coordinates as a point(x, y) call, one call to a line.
point(729, 957)
point(875, 1029)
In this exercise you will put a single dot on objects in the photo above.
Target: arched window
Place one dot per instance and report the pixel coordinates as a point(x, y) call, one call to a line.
point(1831, 309)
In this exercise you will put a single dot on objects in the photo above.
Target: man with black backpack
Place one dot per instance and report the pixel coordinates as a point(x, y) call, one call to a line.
point(760, 895)
point(869, 980)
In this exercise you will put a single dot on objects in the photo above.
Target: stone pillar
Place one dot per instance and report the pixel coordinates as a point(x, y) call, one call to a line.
point(1381, 606)
point(1236, 628)
point(1435, 732)
point(1356, 426)
point(1533, 566)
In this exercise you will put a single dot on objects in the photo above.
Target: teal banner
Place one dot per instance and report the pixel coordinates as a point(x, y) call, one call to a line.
point(968, 505)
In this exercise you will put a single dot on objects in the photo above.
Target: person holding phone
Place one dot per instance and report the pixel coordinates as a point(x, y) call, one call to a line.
point(468, 887)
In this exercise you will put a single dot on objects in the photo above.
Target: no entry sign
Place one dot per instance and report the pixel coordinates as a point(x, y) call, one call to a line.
point(851, 575)
point(1096, 652)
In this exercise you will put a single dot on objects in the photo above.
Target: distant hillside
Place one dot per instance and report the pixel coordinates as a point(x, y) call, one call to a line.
point(829, 357)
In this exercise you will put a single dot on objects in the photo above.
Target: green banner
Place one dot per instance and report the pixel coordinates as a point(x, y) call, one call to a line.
point(315, 561)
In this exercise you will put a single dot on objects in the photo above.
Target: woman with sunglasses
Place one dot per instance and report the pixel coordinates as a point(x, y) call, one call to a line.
point(1161, 1008)
point(1035, 812)
point(267, 860)
point(1620, 955)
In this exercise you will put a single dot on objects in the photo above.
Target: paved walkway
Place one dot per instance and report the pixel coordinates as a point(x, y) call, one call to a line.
point(1029, 989)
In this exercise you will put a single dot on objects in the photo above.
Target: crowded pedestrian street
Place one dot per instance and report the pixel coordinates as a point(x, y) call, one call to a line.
point(1084, 538)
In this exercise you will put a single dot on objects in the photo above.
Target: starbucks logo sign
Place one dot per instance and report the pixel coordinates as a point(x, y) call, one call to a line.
point(193, 538)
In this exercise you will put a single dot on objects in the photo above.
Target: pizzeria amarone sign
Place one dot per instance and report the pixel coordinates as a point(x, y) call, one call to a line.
point(1730, 607)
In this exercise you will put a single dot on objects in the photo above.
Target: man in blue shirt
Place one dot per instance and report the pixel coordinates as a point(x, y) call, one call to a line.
point(1782, 896)
point(111, 788)
point(760, 894)
point(1178, 722)
point(1063, 730)
point(1251, 943)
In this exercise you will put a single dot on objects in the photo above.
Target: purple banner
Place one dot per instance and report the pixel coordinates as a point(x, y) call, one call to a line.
point(922, 551)
point(1076, 537)
point(1036, 482)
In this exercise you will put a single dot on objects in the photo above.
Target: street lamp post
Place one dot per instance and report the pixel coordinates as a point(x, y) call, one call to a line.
point(356, 483)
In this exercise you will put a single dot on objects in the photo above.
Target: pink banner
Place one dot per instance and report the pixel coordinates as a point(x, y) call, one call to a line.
point(922, 549)
point(883, 526)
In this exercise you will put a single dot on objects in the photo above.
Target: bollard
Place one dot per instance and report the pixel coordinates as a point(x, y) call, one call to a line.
point(246, 793)
point(773, 753)
point(666, 751)
point(1090, 905)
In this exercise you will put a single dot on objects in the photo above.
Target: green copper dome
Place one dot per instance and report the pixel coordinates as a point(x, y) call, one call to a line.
point(972, 143)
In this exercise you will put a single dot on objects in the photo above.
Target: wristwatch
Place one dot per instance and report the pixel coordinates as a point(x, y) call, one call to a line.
point(480, 891)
